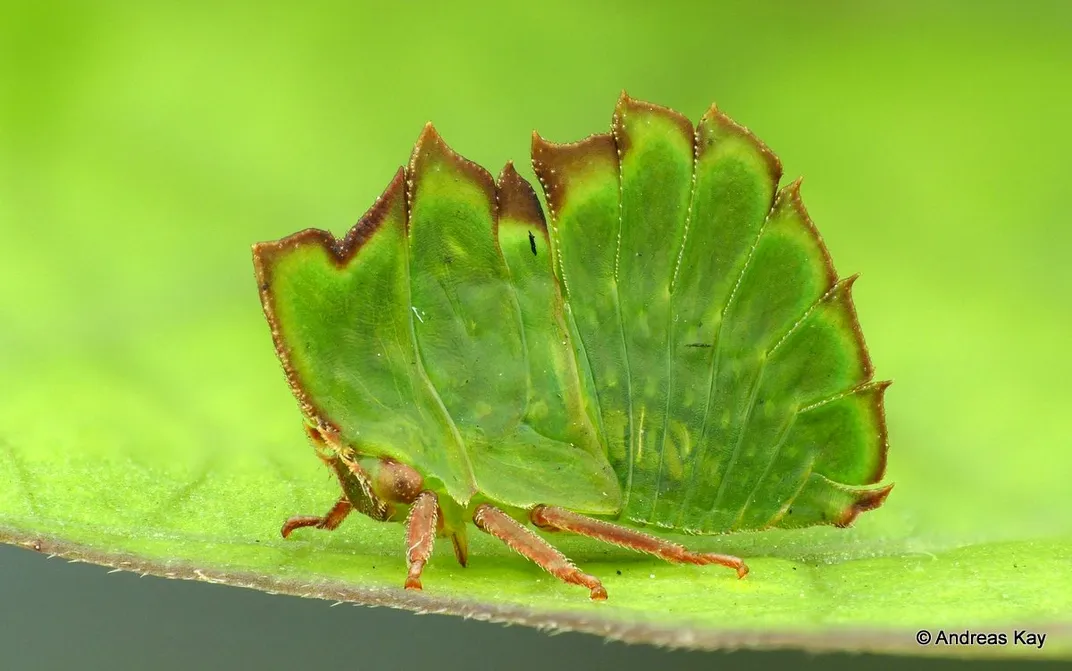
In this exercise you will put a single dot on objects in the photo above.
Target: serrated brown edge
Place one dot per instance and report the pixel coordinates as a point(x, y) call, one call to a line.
point(774, 164)
point(867, 501)
point(880, 403)
point(628, 105)
point(430, 145)
point(342, 251)
point(548, 159)
point(847, 285)
point(880, 397)
point(791, 193)
point(868, 366)
point(518, 200)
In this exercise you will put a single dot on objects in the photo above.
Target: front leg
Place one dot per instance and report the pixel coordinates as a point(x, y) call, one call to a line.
point(421, 526)
point(357, 495)
point(328, 522)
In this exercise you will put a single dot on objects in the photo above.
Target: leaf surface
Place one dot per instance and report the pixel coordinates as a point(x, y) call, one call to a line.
point(144, 423)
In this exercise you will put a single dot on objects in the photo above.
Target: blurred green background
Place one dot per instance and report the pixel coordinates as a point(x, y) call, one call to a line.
point(143, 147)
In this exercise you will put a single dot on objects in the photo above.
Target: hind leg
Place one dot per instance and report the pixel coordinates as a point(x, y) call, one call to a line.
point(553, 518)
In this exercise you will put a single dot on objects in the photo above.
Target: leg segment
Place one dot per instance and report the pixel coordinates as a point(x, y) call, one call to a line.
point(330, 521)
point(420, 535)
point(558, 519)
point(461, 547)
point(491, 520)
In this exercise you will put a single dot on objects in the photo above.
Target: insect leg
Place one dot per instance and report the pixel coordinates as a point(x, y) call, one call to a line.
point(420, 535)
point(553, 518)
point(461, 546)
point(330, 521)
point(491, 520)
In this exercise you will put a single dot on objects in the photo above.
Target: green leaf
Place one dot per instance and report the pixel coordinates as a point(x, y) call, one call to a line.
point(144, 422)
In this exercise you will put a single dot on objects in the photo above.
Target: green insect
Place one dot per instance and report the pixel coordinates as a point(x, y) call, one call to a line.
point(671, 349)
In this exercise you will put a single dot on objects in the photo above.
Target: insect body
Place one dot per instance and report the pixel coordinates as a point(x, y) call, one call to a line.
point(671, 348)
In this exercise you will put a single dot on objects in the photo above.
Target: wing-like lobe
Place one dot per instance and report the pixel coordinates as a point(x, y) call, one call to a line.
point(556, 406)
point(341, 321)
point(677, 350)
point(655, 153)
point(580, 181)
point(730, 373)
point(413, 339)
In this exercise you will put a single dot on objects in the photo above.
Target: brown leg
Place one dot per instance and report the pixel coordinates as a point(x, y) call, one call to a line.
point(461, 547)
point(490, 519)
point(330, 521)
point(559, 519)
point(420, 535)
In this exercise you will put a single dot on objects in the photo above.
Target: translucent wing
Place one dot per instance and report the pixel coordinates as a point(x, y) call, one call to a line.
point(726, 361)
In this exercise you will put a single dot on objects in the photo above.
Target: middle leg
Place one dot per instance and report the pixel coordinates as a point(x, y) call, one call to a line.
point(421, 526)
point(522, 540)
